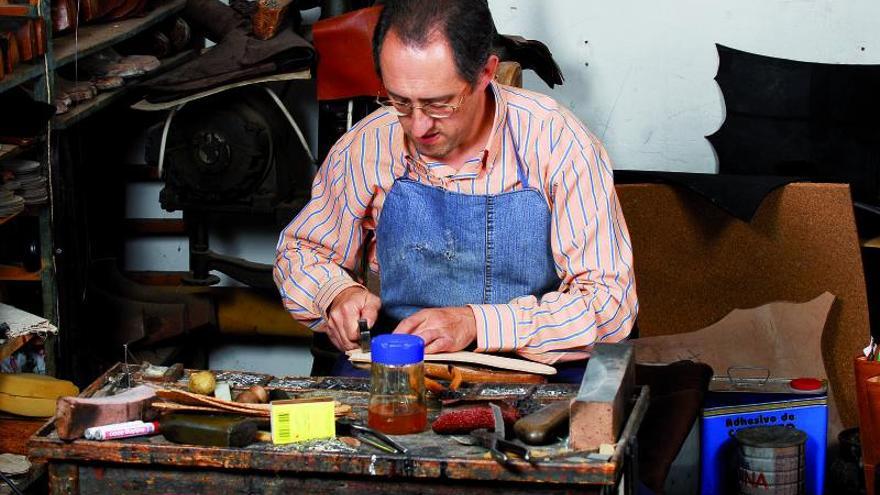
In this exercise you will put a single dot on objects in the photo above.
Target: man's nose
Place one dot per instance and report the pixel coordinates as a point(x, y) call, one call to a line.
point(421, 123)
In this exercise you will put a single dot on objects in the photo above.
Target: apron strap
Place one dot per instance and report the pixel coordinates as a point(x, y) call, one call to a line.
point(521, 172)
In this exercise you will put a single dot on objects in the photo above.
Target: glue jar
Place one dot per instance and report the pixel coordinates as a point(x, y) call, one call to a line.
point(397, 386)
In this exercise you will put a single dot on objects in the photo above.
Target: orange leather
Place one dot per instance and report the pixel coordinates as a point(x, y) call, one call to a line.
point(127, 8)
point(63, 15)
point(10, 51)
point(345, 55)
point(26, 38)
point(868, 396)
point(40, 37)
point(96, 9)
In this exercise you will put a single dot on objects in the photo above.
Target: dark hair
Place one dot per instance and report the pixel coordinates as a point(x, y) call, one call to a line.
point(466, 24)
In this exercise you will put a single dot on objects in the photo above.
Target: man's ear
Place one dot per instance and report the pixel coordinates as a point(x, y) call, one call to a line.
point(487, 74)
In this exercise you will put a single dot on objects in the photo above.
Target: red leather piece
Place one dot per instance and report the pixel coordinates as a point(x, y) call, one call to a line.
point(345, 55)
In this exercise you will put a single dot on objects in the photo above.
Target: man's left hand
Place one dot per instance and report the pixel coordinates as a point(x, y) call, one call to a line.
point(443, 329)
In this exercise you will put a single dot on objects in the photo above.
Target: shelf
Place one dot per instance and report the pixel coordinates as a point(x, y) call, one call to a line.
point(10, 217)
point(23, 73)
point(96, 37)
point(103, 100)
point(9, 151)
point(18, 274)
point(13, 345)
point(18, 11)
point(13, 150)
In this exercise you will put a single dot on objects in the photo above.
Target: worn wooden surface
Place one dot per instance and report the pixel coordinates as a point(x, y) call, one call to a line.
point(15, 431)
point(436, 464)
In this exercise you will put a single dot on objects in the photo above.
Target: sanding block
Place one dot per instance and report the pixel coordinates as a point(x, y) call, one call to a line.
point(208, 430)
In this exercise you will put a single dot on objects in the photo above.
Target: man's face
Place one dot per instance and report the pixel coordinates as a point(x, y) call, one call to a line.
point(427, 74)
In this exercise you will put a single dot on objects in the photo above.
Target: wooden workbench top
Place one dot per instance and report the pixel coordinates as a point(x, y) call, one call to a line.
point(431, 457)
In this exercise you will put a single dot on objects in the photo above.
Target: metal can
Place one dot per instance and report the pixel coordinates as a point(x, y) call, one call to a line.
point(397, 385)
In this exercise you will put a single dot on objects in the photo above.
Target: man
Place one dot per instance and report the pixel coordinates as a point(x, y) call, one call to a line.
point(497, 226)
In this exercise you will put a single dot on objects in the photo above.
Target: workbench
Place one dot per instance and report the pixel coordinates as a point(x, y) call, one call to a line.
point(435, 464)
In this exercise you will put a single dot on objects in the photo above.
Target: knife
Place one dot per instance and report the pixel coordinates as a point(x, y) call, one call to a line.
point(364, 332)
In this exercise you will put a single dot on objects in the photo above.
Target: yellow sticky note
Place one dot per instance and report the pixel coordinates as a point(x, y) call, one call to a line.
point(297, 420)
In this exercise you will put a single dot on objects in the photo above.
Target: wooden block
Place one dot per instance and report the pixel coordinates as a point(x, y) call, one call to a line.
point(74, 414)
point(602, 403)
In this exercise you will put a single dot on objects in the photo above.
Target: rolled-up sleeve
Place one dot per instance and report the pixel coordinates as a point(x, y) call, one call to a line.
point(316, 251)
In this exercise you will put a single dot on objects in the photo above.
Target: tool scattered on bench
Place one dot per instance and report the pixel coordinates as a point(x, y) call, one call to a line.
point(180, 400)
point(545, 425)
point(468, 417)
point(604, 399)
point(74, 414)
point(370, 436)
point(209, 430)
point(364, 335)
point(495, 441)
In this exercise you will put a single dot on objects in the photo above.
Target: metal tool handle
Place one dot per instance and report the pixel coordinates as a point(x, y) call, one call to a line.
point(514, 448)
point(381, 436)
point(364, 335)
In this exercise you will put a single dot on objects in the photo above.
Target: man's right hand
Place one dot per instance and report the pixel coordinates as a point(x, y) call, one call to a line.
point(351, 305)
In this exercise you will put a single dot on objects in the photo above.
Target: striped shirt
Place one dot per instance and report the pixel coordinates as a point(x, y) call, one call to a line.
point(596, 300)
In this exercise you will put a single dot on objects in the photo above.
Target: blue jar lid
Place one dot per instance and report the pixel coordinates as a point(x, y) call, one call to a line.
point(397, 349)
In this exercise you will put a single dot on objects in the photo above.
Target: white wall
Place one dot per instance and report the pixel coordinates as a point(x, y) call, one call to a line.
point(640, 74)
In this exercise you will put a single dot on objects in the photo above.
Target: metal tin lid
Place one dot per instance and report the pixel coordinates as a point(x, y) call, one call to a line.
point(771, 436)
point(807, 384)
point(397, 349)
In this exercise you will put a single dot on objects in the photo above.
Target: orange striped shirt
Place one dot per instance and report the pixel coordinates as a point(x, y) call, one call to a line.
point(596, 300)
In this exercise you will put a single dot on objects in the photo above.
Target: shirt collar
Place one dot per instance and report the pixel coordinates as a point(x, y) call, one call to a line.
point(475, 165)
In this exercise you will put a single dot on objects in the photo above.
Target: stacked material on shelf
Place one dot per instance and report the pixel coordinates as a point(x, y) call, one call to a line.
point(27, 182)
point(21, 322)
point(10, 203)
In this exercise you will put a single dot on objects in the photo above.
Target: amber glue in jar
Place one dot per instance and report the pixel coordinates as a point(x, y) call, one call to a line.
point(397, 385)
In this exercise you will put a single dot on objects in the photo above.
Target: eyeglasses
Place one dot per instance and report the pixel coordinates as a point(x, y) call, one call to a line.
point(432, 110)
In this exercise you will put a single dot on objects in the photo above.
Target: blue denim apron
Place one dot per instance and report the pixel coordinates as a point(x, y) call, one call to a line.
point(440, 248)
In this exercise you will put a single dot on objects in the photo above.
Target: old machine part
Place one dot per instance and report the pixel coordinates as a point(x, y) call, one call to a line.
point(237, 152)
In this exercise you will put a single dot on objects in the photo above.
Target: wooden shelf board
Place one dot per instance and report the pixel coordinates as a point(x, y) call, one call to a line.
point(18, 11)
point(18, 274)
point(9, 151)
point(13, 345)
point(23, 73)
point(10, 217)
point(96, 37)
point(103, 100)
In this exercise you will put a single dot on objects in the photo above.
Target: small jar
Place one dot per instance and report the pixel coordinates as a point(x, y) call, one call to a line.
point(397, 386)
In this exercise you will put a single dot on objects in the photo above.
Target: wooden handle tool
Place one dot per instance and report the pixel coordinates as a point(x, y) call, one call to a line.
point(544, 425)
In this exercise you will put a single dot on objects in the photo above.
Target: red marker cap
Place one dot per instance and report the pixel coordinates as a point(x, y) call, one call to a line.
point(806, 384)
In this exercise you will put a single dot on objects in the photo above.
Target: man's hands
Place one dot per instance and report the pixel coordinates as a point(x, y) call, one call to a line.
point(443, 329)
point(347, 308)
